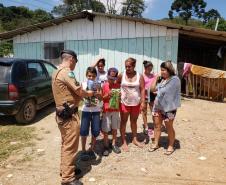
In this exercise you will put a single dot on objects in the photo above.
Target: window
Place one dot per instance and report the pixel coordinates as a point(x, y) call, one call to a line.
point(20, 72)
point(49, 69)
point(5, 73)
point(52, 50)
point(36, 71)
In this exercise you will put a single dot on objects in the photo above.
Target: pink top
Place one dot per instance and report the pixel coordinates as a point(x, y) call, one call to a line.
point(130, 91)
point(106, 89)
point(148, 80)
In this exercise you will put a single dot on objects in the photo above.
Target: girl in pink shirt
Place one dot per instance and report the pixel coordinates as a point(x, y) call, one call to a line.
point(149, 78)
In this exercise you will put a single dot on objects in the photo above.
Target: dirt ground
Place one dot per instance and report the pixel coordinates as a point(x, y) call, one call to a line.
point(200, 158)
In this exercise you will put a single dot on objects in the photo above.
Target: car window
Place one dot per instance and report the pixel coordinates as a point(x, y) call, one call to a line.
point(36, 71)
point(5, 73)
point(49, 68)
point(20, 72)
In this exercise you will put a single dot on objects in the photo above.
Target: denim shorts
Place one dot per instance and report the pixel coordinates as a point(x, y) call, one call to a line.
point(166, 116)
point(94, 119)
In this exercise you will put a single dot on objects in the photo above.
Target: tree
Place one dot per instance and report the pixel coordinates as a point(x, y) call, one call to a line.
point(221, 26)
point(41, 16)
point(6, 48)
point(187, 9)
point(111, 6)
point(133, 8)
point(74, 6)
point(211, 15)
point(13, 17)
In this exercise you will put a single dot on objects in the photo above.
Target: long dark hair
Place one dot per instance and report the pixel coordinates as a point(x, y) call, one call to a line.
point(169, 67)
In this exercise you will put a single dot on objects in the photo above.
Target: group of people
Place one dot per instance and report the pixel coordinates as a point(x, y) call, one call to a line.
point(110, 99)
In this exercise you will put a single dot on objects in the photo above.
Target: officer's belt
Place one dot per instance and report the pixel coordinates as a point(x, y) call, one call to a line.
point(74, 109)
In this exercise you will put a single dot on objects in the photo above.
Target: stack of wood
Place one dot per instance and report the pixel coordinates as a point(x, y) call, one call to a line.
point(207, 83)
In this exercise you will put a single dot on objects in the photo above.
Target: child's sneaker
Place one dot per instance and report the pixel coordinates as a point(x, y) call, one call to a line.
point(106, 151)
point(116, 149)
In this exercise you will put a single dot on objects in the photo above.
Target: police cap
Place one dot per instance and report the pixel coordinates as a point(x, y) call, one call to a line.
point(70, 52)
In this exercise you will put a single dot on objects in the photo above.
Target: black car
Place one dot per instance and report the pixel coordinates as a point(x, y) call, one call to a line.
point(25, 87)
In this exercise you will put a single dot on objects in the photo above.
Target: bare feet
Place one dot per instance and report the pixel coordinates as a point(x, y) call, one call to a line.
point(137, 143)
point(125, 147)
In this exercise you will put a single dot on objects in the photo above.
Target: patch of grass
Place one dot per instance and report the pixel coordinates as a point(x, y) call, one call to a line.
point(21, 135)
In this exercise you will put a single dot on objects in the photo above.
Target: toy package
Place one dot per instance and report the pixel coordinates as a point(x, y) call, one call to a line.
point(114, 100)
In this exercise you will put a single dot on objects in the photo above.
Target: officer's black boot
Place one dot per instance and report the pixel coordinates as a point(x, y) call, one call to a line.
point(74, 182)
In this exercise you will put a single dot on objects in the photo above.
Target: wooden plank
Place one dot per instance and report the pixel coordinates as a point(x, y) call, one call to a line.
point(119, 63)
point(147, 30)
point(162, 31)
point(132, 47)
point(108, 34)
point(119, 28)
point(162, 48)
point(111, 53)
point(155, 53)
point(113, 28)
point(125, 49)
point(97, 28)
point(139, 54)
point(147, 49)
point(103, 27)
point(91, 52)
point(90, 29)
point(154, 31)
point(125, 29)
point(132, 29)
point(139, 30)
point(208, 88)
point(97, 48)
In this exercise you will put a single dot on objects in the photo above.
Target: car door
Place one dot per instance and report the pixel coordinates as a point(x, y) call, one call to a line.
point(49, 69)
point(38, 82)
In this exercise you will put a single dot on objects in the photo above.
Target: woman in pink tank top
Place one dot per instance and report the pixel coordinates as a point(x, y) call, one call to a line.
point(132, 100)
point(149, 78)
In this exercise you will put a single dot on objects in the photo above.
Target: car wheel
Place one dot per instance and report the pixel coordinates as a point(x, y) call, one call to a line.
point(27, 112)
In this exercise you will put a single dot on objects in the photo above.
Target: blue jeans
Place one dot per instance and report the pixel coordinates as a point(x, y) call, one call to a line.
point(94, 119)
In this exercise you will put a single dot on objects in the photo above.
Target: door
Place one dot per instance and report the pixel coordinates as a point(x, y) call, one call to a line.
point(38, 82)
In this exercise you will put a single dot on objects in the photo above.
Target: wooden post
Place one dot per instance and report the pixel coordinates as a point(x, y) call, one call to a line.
point(193, 85)
point(209, 88)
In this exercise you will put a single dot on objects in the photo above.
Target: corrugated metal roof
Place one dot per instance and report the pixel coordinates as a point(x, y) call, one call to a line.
point(184, 30)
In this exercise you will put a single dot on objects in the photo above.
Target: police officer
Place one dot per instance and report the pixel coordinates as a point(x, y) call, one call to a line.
point(67, 94)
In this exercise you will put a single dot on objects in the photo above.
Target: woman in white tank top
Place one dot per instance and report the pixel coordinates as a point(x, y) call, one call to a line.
point(132, 100)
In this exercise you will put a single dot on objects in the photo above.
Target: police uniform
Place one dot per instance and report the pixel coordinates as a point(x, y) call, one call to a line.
point(67, 90)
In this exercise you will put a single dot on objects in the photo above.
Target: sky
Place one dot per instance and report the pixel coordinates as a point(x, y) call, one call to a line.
point(156, 9)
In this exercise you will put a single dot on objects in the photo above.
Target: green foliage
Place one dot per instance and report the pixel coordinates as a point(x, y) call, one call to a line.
point(221, 26)
point(187, 9)
point(133, 8)
point(13, 17)
point(181, 21)
point(212, 14)
point(6, 48)
point(74, 6)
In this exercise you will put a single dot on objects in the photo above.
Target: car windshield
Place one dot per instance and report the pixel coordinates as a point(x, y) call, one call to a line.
point(5, 73)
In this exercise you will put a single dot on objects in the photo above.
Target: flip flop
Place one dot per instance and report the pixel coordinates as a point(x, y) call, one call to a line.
point(153, 148)
point(168, 152)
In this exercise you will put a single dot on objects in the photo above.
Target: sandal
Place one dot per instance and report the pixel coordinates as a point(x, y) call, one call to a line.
point(153, 148)
point(168, 152)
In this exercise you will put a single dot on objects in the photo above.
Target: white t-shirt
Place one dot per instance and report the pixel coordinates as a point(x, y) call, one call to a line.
point(91, 104)
point(101, 77)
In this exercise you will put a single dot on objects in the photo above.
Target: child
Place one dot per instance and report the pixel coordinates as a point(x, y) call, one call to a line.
point(90, 114)
point(111, 120)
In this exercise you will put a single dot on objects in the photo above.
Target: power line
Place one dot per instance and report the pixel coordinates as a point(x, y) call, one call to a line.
point(29, 4)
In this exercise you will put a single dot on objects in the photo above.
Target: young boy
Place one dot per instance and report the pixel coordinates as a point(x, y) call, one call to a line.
point(90, 114)
point(111, 119)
